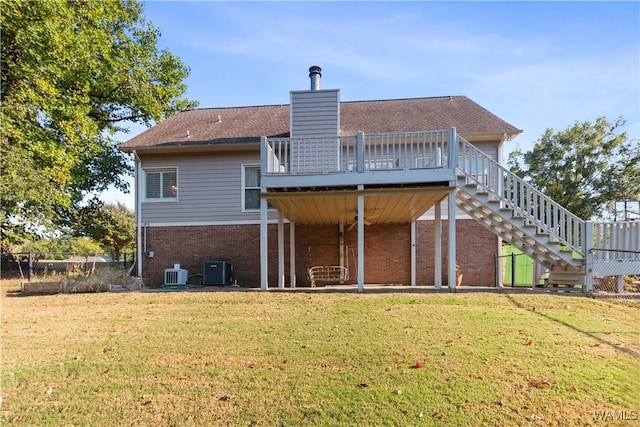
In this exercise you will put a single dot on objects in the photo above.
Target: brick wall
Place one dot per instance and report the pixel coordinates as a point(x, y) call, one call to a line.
point(387, 252)
point(475, 250)
point(387, 249)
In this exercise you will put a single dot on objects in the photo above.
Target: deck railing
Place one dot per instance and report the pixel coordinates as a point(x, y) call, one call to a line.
point(357, 153)
point(413, 150)
point(616, 240)
point(536, 209)
point(431, 149)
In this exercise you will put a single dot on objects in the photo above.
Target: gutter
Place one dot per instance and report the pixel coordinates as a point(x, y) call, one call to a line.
point(178, 148)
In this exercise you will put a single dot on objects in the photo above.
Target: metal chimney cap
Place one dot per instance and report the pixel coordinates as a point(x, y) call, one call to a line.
point(314, 69)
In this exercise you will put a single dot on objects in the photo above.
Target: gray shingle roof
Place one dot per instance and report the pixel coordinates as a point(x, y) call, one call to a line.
point(238, 125)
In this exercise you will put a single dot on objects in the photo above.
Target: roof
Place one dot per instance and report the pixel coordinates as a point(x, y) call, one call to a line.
point(208, 127)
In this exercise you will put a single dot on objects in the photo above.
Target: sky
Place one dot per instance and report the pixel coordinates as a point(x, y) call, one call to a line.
point(536, 65)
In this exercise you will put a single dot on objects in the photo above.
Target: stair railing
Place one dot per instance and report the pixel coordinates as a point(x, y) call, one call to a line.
point(526, 201)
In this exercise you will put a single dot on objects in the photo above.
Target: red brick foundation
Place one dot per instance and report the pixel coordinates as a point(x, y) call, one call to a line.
point(475, 250)
point(387, 252)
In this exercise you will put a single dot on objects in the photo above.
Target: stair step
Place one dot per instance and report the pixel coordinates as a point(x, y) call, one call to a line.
point(565, 278)
point(514, 226)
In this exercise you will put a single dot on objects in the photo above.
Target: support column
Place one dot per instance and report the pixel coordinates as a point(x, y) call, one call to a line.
point(264, 266)
point(360, 240)
point(452, 239)
point(438, 245)
point(413, 253)
point(264, 205)
point(292, 254)
point(587, 245)
point(498, 266)
point(280, 250)
point(341, 245)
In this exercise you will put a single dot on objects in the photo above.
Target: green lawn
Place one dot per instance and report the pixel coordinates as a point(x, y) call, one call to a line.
point(310, 358)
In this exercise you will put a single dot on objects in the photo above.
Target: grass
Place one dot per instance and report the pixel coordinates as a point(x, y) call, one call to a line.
point(295, 358)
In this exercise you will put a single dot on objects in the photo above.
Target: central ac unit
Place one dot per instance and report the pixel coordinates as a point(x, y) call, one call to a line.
point(217, 273)
point(175, 276)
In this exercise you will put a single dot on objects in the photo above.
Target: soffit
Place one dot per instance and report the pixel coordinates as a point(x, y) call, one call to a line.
point(335, 207)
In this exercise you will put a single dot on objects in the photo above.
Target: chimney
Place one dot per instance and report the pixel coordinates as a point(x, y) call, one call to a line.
point(315, 73)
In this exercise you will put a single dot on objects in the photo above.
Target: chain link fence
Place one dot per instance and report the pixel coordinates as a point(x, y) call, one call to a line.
point(19, 268)
point(616, 274)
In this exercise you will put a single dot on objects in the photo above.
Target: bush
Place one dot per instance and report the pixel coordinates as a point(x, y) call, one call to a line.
point(99, 281)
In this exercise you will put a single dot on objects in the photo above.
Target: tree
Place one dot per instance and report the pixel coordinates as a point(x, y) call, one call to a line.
point(584, 168)
point(72, 72)
point(111, 225)
point(62, 247)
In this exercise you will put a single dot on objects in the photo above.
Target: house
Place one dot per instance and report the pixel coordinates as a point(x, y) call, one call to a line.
point(395, 191)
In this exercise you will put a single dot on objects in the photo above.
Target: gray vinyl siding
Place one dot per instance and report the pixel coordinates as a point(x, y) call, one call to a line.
point(315, 113)
point(489, 148)
point(209, 188)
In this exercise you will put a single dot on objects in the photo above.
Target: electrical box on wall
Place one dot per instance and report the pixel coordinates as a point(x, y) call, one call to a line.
point(217, 273)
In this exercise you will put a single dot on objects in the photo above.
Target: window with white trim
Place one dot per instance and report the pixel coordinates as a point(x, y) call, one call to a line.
point(161, 184)
point(250, 187)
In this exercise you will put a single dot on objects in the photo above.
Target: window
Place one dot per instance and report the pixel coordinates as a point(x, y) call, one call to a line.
point(250, 187)
point(161, 184)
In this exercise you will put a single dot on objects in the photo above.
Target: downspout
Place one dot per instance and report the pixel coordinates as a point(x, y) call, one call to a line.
point(138, 203)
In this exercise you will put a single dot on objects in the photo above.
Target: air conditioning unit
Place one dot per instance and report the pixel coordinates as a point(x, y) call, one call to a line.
point(217, 273)
point(175, 276)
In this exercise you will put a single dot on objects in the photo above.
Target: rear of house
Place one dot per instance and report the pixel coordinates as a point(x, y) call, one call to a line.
point(201, 178)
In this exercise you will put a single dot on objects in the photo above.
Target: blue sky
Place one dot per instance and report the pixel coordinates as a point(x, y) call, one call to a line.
point(537, 65)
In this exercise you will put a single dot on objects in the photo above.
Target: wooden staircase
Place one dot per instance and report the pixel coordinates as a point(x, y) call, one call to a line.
point(523, 216)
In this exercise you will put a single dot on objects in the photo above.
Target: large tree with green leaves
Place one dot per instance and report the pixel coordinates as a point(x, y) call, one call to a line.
point(585, 167)
point(72, 73)
point(111, 225)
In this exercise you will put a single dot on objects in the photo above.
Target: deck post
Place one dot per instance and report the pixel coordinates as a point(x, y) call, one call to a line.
point(264, 264)
point(280, 250)
point(360, 239)
point(438, 246)
point(360, 151)
point(452, 147)
point(413, 253)
point(452, 239)
point(587, 248)
point(453, 164)
point(341, 245)
point(292, 254)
